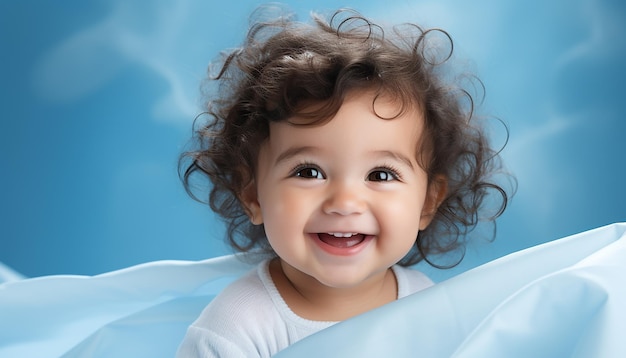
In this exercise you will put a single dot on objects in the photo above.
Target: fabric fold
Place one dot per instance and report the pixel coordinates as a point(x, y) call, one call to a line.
point(564, 298)
point(515, 306)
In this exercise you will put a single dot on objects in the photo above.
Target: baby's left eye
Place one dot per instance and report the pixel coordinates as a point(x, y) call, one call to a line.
point(382, 175)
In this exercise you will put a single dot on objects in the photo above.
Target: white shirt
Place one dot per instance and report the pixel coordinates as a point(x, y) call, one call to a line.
point(249, 318)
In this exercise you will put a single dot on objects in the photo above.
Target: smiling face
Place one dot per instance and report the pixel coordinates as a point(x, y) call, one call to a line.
point(343, 201)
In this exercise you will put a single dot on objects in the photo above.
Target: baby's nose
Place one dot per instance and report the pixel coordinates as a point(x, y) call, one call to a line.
point(344, 199)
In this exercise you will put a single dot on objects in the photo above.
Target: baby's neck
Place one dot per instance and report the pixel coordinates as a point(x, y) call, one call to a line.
point(310, 299)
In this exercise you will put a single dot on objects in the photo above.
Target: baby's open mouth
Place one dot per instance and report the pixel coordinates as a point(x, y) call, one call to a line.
point(341, 239)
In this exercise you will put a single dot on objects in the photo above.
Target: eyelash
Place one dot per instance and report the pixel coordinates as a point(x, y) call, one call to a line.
point(387, 169)
point(296, 172)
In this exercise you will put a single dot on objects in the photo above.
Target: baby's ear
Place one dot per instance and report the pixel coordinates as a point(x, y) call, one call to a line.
point(435, 195)
point(250, 201)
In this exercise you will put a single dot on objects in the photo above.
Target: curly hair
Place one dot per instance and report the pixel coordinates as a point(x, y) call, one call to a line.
point(284, 65)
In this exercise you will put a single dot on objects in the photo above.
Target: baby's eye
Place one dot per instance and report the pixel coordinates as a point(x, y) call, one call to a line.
point(309, 173)
point(382, 175)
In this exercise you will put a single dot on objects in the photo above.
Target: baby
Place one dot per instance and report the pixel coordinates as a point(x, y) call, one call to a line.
point(340, 150)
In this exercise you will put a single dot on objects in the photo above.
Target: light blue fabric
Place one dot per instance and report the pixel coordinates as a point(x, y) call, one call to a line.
point(566, 298)
point(141, 311)
point(8, 275)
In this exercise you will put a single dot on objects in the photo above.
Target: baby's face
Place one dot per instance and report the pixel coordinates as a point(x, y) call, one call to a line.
point(343, 201)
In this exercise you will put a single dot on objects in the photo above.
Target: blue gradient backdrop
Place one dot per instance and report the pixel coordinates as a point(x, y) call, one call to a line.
point(97, 100)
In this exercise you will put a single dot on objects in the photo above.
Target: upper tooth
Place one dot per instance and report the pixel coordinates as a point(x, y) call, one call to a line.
point(340, 234)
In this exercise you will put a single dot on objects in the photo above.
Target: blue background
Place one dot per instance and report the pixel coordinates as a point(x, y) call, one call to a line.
point(97, 100)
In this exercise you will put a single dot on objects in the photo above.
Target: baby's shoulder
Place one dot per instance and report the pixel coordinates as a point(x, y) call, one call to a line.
point(236, 323)
point(242, 301)
point(244, 304)
point(242, 318)
point(410, 280)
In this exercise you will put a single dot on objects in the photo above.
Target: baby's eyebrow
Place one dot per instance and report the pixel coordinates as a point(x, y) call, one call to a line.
point(292, 152)
point(395, 156)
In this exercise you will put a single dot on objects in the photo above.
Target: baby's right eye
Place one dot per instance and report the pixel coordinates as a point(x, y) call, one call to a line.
point(308, 173)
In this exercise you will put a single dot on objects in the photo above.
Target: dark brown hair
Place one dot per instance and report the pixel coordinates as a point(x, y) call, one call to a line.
point(284, 64)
